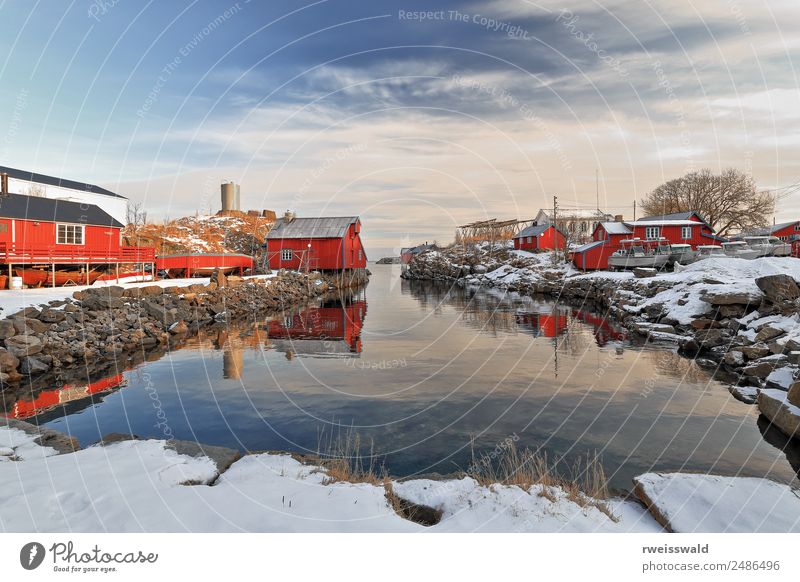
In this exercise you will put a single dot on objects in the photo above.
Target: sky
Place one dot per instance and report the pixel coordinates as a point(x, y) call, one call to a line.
point(417, 116)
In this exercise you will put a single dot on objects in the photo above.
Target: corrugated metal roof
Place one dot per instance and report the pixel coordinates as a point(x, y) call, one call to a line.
point(615, 227)
point(534, 230)
point(321, 227)
point(588, 246)
point(53, 181)
point(51, 210)
point(671, 216)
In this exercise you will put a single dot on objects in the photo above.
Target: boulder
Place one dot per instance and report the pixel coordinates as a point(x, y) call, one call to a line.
point(52, 316)
point(32, 365)
point(734, 358)
point(480, 269)
point(158, 312)
point(705, 323)
point(709, 338)
point(219, 278)
point(7, 329)
point(178, 328)
point(778, 288)
point(766, 333)
point(793, 394)
point(755, 351)
point(775, 405)
point(731, 298)
point(760, 368)
point(731, 310)
point(23, 345)
point(8, 361)
point(644, 272)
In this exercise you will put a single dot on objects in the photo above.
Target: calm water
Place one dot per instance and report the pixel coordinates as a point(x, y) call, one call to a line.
point(425, 370)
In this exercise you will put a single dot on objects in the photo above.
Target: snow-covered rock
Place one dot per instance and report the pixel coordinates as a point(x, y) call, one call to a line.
point(687, 503)
point(779, 410)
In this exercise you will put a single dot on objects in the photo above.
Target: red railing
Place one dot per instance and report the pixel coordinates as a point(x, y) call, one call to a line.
point(73, 254)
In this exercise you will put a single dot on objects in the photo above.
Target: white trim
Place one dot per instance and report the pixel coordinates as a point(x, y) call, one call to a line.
point(287, 255)
point(684, 230)
point(13, 230)
point(83, 233)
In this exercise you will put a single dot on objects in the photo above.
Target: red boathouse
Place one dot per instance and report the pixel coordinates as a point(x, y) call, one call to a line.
point(788, 232)
point(40, 235)
point(540, 237)
point(322, 244)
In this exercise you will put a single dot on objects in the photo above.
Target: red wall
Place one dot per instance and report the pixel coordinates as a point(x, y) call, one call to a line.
point(789, 231)
point(326, 253)
point(29, 233)
point(547, 240)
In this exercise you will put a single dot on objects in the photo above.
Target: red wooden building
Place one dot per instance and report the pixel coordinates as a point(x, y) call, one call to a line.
point(42, 236)
point(540, 237)
point(324, 244)
point(679, 227)
point(788, 232)
point(321, 331)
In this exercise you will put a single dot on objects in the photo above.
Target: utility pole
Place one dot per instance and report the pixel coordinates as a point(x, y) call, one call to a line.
point(597, 188)
point(555, 226)
point(634, 209)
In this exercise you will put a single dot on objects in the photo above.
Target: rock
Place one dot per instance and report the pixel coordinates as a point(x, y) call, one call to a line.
point(793, 394)
point(794, 357)
point(52, 316)
point(150, 290)
point(746, 394)
point(178, 328)
point(731, 310)
point(31, 366)
point(158, 312)
point(7, 329)
point(760, 369)
point(116, 437)
point(644, 272)
point(23, 345)
point(222, 457)
point(705, 323)
point(219, 278)
point(755, 351)
point(731, 298)
point(8, 361)
point(480, 269)
point(767, 333)
point(778, 288)
point(775, 405)
point(44, 436)
point(734, 358)
point(709, 338)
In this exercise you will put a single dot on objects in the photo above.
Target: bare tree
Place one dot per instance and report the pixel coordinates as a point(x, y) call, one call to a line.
point(728, 202)
point(135, 215)
point(35, 190)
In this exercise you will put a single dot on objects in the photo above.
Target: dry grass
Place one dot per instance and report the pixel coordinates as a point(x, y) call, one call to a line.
point(586, 485)
point(343, 459)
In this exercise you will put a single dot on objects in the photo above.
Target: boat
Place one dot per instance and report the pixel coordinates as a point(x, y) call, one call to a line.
point(739, 249)
point(710, 251)
point(682, 253)
point(779, 247)
point(768, 246)
point(636, 252)
point(44, 277)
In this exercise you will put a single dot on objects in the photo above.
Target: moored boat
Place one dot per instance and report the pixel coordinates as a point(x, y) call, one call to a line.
point(739, 249)
point(682, 253)
point(640, 253)
point(44, 277)
point(709, 251)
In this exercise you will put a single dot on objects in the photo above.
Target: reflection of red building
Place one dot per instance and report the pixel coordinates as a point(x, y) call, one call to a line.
point(604, 332)
point(48, 400)
point(320, 330)
point(544, 324)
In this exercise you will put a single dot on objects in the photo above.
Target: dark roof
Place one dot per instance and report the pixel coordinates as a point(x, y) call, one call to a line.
point(588, 246)
point(674, 216)
point(773, 228)
point(53, 181)
point(320, 227)
point(536, 230)
point(49, 210)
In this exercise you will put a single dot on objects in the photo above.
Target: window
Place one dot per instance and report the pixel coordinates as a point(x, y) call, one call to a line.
point(4, 227)
point(286, 254)
point(70, 234)
point(686, 232)
point(530, 239)
point(652, 231)
point(360, 254)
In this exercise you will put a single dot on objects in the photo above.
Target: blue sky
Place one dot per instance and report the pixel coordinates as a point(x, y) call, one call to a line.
point(418, 124)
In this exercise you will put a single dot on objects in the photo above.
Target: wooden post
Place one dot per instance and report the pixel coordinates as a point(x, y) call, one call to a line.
point(53, 272)
point(87, 273)
point(117, 265)
point(10, 274)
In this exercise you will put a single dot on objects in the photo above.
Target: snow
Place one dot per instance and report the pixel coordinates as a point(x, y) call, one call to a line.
point(712, 503)
point(19, 444)
point(135, 486)
point(12, 301)
point(781, 377)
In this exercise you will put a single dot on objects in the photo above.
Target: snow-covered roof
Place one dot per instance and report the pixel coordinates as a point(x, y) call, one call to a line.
point(615, 227)
point(672, 216)
point(320, 227)
point(651, 222)
point(588, 246)
point(535, 230)
point(577, 213)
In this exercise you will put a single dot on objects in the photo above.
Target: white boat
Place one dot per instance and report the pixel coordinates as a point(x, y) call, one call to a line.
point(709, 251)
point(739, 249)
point(682, 253)
point(780, 248)
point(636, 252)
point(769, 246)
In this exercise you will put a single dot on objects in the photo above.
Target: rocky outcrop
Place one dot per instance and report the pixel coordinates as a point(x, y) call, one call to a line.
point(782, 409)
point(106, 326)
point(45, 437)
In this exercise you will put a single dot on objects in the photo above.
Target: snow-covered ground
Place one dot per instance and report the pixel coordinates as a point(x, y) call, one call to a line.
point(12, 301)
point(137, 486)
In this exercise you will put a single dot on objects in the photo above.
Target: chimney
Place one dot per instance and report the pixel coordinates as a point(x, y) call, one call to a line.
point(618, 218)
point(288, 216)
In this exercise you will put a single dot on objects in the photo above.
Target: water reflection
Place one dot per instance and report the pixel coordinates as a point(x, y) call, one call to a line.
point(435, 372)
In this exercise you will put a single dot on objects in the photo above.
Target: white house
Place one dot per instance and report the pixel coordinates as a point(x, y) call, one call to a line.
point(32, 184)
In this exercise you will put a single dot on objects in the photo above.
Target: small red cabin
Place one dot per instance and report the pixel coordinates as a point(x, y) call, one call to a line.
point(540, 237)
point(606, 239)
point(324, 244)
